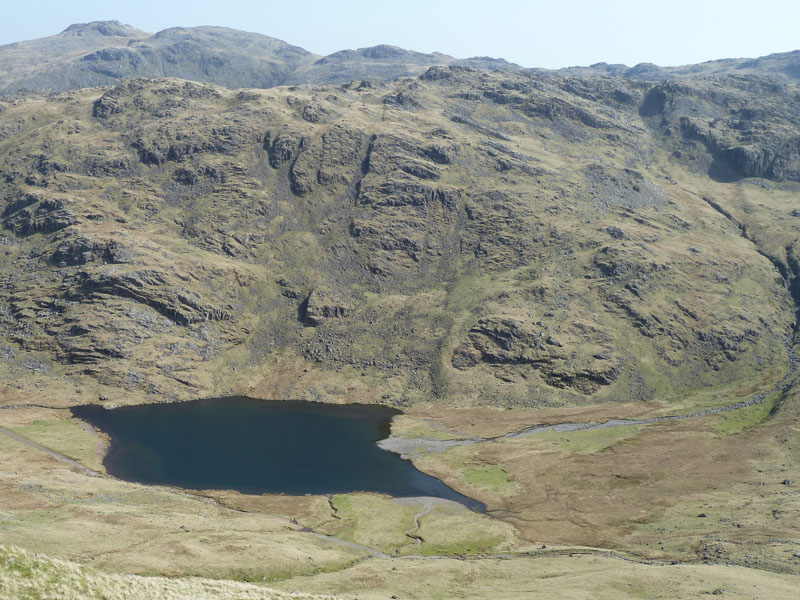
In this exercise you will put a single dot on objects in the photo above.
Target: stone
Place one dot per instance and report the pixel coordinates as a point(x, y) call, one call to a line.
point(320, 306)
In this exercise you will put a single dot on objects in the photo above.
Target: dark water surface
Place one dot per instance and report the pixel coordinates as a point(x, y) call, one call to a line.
point(257, 447)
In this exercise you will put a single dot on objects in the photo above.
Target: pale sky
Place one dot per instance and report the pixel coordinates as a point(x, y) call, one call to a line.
point(534, 34)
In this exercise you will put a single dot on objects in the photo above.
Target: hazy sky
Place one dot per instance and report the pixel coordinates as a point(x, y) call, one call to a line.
point(533, 34)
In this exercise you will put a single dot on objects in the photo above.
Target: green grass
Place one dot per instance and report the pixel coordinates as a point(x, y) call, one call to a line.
point(27, 576)
point(67, 437)
point(738, 420)
point(490, 476)
point(579, 442)
point(428, 430)
point(466, 463)
point(380, 522)
point(455, 531)
point(371, 520)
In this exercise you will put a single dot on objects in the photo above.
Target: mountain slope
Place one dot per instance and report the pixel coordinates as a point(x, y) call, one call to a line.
point(464, 237)
point(783, 65)
point(41, 64)
point(106, 52)
point(382, 63)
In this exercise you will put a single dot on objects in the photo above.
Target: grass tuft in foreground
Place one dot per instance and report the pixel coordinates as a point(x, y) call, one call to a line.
point(27, 576)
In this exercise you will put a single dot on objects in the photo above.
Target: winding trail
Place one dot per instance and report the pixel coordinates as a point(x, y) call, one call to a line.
point(53, 453)
point(427, 506)
point(334, 540)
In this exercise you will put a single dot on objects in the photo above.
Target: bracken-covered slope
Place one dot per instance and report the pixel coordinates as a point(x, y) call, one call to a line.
point(458, 237)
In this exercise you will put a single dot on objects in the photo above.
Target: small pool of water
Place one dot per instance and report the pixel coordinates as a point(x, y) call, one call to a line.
point(257, 447)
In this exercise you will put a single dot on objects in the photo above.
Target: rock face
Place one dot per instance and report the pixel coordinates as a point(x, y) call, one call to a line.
point(503, 341)
point(320, 306)
point(505, 238)
point(747, 126)
point(38, 216)
point(152, 288)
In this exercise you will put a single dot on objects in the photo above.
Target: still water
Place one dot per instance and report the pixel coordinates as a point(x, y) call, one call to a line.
point(257, 447)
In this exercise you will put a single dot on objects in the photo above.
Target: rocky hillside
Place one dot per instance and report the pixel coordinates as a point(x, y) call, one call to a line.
point(784, 66)
point(383, 63)
point(108, 52)
point(460, 237)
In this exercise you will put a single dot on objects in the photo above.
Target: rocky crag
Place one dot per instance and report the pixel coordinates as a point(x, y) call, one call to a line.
point(461, 236)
